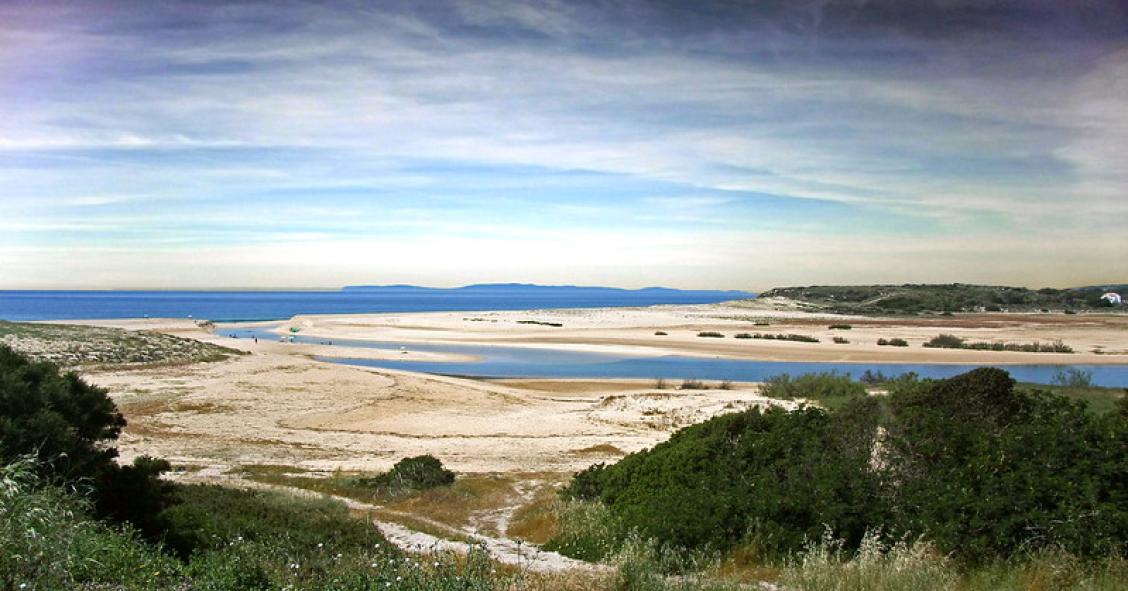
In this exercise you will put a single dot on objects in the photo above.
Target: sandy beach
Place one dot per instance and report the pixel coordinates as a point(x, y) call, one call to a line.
point(277, 409)
point(280, 406)
point(1095, 339)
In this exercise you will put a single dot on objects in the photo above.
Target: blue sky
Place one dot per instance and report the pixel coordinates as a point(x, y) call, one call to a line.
point(705, 144)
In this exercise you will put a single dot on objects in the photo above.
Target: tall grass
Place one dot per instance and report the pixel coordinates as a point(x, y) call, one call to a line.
point(877, 566)
point(48, 542)
point(917, 566)
point(585, 530)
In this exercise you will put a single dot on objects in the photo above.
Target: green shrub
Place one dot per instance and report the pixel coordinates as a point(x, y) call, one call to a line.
point(895, 342)
point(985, 470)
point(67, 423)
point(47, 541)
point(774, 476)
point(711, 334)
point(840, 327)
point(69, 426)
point(945, 341)
point(409, 475)
point(786, 337)
point(242, 539)
point(982, 471)
point(841, 340)
point(812, 386)
point(742, 335)
point(693, 384)
point(587, 530)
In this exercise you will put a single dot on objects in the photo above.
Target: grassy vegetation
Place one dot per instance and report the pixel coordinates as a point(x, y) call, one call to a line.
point(1097, 399)
point(955, 297)
point(960, 484)
point(917, 566)
point(452, 504)
point(841, 340)
point(799, 338)
point(711, 334)
point(541, 323)
point(218, 538)
point(948, 341)
point(840, 327)
point(72, 345)
point(828, 389)
point(894, 342)
point(602, 449)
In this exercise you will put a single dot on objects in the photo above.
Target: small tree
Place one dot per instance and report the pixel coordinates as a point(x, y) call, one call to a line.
point(66, 423)
point(69, 426)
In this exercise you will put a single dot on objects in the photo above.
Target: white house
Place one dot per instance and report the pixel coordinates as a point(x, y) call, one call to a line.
point(1112, 298)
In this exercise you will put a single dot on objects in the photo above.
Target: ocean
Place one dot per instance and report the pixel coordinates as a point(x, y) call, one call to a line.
point(236, 306)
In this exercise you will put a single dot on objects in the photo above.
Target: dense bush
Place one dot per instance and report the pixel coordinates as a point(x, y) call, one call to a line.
point(947, 341)
point(68, 426)
point(774, 476)
point(64, 421)
point(47, 541)
point(813, 386)
point(985, 470)
point(411, 474)
point(894, 342)
point(979, 469)
point(711, 334)
point(800, 338)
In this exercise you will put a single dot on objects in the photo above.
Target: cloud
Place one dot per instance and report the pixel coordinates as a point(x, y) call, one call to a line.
point(633, 116)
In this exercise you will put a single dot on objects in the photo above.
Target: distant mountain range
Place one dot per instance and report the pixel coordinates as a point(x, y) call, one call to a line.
point(531, 288)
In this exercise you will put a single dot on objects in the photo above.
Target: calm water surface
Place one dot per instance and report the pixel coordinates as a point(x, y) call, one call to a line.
point(233, 306)
point(527, 362)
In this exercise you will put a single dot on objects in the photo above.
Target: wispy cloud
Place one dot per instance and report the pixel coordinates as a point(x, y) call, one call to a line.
point(195, 123)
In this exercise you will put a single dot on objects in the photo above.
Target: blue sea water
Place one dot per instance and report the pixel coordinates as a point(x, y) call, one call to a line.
point(232, 306)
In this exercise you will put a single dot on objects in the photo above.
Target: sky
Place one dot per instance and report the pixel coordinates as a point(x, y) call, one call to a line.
point(712, 144)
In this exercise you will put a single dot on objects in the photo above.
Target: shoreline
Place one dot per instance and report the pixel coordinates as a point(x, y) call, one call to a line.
point(630, 331)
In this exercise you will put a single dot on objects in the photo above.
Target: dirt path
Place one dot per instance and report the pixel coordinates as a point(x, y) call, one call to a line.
point(525, 556)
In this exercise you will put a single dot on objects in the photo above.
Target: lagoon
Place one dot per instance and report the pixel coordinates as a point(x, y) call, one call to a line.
point(494, 361)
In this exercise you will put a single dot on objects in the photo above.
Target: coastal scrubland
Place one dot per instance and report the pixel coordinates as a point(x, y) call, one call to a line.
point(74, 345)
point(941, 298)
point(279, 429)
